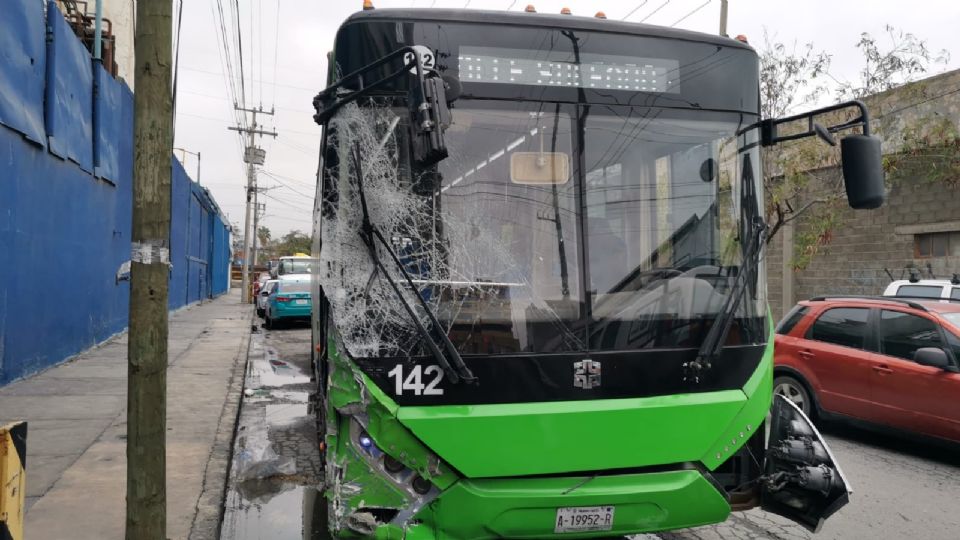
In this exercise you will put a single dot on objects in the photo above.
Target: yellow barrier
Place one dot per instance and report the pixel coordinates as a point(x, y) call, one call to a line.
point(13, 479)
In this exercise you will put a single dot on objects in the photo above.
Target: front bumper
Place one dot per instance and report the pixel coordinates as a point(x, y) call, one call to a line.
point(527, 507)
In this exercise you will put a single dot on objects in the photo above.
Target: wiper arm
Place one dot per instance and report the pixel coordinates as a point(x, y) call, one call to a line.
point(370, 235)
point(713, 343)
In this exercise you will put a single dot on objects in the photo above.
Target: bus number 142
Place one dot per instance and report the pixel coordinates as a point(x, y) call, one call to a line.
point(413, 382)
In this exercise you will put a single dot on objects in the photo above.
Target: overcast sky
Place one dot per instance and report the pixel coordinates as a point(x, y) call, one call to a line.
point(306, 32)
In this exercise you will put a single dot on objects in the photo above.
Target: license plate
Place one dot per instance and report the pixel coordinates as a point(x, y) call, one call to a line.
point(300, 302)
point(584, 518)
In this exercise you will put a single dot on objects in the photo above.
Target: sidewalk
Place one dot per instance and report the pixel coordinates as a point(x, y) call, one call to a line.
point(76, 442)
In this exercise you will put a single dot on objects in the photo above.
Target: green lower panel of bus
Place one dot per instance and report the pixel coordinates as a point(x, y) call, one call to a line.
point(527, 508)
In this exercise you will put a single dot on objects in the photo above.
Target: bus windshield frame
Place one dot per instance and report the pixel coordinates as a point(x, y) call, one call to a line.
point(585, 310)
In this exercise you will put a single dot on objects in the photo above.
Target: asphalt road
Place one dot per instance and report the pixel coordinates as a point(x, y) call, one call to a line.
point(903, 489)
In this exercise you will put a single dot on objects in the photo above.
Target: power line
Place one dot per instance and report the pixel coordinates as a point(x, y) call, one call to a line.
point(288, 186)
point(698, 8)
point(654, 12)
point(236, 18)
point(634, 10)
point(276, 48)
point(260, 38)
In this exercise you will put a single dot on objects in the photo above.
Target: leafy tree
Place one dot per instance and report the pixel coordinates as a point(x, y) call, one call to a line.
point(293, 242)
point(906, 60)
point(792, 77)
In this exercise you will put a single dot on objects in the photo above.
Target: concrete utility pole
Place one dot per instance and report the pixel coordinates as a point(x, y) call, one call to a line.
point(260, 208)
point(253, 156)
point(149, 274)
point(723, 18)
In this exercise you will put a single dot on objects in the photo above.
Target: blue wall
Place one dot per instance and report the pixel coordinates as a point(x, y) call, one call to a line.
point(66, 167)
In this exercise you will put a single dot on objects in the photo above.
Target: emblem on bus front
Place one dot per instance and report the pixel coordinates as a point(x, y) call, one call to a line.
point(586, 374)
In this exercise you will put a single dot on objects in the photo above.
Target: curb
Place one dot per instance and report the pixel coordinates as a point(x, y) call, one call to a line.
point(208, 517)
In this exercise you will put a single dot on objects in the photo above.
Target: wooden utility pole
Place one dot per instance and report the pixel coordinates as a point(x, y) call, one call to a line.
point(149, 274)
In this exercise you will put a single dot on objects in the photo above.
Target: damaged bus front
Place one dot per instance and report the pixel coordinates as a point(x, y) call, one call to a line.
point(543, 302)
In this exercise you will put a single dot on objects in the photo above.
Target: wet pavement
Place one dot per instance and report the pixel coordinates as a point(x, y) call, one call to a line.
point(903, 488)
point(276, 471)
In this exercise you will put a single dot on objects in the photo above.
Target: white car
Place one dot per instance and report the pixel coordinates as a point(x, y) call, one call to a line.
point(263, 295)
point(947, 289)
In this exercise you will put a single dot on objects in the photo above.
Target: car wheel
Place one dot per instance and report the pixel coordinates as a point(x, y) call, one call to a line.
point(794, 390)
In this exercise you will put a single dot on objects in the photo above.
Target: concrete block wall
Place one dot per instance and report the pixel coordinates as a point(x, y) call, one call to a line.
point(864, 242)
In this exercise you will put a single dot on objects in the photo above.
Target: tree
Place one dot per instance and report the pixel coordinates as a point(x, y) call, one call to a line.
point(907, 59)
point(788, 79)
point(294, 242)
point(791, 77)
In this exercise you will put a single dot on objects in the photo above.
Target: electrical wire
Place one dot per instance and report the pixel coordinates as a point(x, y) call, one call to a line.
point(260, 46)
point(283, 183)
point(634, 10)
point(654, 12)
point(236, 18)
point(276, 48)
point(698, 8)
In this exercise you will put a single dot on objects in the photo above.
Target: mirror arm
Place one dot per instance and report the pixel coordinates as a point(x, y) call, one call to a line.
point(768, 127)
point(328, 101)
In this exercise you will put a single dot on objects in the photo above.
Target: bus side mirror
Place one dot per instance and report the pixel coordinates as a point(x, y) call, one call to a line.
point(862, 171)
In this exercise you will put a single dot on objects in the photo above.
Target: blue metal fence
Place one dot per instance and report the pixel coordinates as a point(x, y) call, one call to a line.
point(66, 172)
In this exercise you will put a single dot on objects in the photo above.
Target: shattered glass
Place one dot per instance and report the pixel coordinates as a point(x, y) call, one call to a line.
point(515, 250)
point(465, 271)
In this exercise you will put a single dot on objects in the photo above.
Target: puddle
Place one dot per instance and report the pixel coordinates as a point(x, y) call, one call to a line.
point(275, 510)
point(276, 467)
point(267, 370)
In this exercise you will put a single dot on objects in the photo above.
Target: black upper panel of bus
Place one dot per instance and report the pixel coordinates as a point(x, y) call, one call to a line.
point(713, 72)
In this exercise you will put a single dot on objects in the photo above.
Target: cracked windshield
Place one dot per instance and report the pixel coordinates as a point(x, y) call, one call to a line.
point(519, 250)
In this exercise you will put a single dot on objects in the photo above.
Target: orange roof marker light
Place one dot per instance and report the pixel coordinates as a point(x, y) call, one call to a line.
point(530, 9)
point(601, 15)
point(367, 5)
point(566, 11)
point(741, 37)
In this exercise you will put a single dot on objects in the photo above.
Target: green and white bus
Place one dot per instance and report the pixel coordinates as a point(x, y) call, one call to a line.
point(542, 296)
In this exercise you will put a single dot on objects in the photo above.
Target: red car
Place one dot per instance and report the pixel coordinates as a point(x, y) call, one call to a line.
point(883, 360)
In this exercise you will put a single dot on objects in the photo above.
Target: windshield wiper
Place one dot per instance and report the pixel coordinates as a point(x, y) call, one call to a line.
point(370, 235)
point(712, 345)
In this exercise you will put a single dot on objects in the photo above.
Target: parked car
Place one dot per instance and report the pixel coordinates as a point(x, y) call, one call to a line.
point(289, 300)
point(258, 283)
point(925, 288)
point(263, 295)
point(883, 360)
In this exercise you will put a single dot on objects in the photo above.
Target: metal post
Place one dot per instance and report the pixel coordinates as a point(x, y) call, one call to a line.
point(98, 31)
point(723, 18)
point(146, 515)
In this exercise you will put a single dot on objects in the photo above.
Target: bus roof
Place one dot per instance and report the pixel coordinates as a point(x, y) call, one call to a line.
point(548, 20)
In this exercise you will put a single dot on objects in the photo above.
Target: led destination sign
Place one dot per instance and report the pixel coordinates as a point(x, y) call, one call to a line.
point(608, 72)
